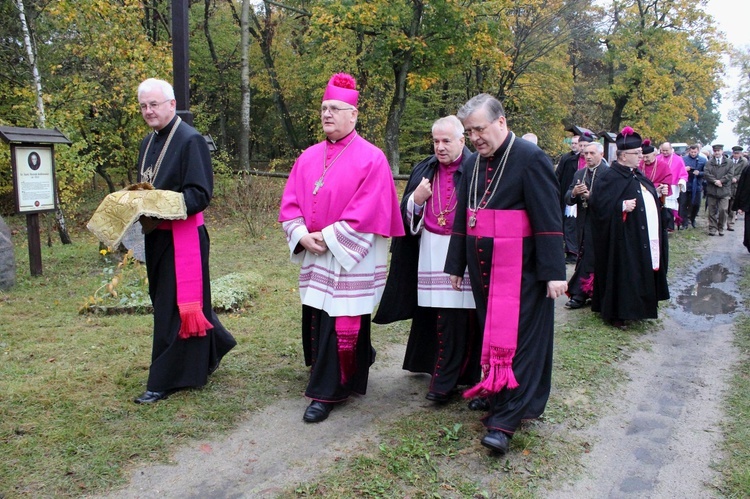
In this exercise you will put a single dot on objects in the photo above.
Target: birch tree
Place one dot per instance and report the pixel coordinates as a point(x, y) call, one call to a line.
point(41, 117)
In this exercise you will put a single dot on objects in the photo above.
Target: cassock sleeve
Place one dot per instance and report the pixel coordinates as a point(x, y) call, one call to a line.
point(541, 195)
point(198, 183)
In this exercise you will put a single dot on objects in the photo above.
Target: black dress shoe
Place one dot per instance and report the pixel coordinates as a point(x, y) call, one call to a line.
point(149, 397)
point(479, 404)
point(317, 411)
point(575, 303)
point(440, 398)
point(730, 229)
point(496, 441)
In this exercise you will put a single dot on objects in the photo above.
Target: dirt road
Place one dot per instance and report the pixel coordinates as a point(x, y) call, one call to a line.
point(658, 437)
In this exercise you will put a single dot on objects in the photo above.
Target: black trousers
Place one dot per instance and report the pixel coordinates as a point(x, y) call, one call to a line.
point(446, 344)
point(320, 344)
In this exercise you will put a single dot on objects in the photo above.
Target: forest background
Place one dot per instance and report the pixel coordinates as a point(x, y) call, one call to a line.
point(654, 65)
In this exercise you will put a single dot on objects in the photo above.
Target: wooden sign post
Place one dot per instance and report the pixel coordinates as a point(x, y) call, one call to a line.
point(32, 158)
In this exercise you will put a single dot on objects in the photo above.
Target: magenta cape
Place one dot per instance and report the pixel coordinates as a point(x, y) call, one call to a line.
point(507, 228)
point(676, 167)
point(657, 173)
point(358, 189)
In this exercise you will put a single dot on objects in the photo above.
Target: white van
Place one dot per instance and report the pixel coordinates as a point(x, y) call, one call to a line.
point(680, 148)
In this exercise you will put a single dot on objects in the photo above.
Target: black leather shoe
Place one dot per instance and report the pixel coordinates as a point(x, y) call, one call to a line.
point(149, 397)
point(317, 411)
point(496, 441)
point(479, 404)
point(574, 304)
point(730, 229)
point(440, 398)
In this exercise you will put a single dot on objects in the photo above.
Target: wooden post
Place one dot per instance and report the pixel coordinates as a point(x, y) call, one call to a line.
point(35, 243)
point(181, 58)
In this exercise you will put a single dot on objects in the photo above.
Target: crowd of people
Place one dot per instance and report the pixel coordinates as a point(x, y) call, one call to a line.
point(479, 243)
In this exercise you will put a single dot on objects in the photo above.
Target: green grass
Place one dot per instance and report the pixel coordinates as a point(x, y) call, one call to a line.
point(68, 426)
point(735, 467)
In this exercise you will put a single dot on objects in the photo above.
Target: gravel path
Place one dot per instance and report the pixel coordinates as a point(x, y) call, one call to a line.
point(661, 433)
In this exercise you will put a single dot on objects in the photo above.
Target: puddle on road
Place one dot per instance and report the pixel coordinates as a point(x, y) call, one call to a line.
point(703, 299)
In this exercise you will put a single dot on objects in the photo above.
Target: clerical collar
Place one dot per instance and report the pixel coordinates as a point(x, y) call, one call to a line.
point(500, 150)
point(165, 131)
point(350, 134)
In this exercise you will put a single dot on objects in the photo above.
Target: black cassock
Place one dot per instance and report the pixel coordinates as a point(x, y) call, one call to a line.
point(585, 263)
point(742, 202)
point(527, 183)
point(444, 343)
point(186, 168)
point(626, 287)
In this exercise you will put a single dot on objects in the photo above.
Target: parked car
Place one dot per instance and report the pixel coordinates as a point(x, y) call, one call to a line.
point(680, 148)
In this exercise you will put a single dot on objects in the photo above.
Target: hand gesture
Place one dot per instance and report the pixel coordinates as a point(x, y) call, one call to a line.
point(628, 205)
point(423, 192)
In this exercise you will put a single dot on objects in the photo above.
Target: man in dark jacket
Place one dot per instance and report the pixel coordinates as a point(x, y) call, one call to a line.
point(691, 201)
point(581, 283)
point(566, 168)
point(738, 163)
point(718, 174)
point(444, 340)
point(630, 239)
point(741, 203)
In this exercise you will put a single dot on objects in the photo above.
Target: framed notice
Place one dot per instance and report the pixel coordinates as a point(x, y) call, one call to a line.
point(33, 178)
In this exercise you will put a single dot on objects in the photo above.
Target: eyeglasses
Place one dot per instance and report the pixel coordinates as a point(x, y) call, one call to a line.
point(153, 105)
point(479, 130)
point(334, 109)
point(638, 153)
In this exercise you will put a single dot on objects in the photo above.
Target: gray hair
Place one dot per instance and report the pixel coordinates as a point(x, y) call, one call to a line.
point(599, 146)
point(152, 83)
point(482, 101)
point(449, 122)
point(531, 137)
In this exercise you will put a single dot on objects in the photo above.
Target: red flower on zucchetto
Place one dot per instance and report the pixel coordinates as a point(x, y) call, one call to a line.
point(343, 80)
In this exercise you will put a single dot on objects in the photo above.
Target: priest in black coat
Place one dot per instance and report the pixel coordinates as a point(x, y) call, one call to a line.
point(189, 341)
point(630, 239)
point(444, 340)
point(508, 231)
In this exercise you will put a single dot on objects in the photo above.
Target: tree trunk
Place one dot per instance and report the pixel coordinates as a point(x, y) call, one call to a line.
point(223, 93)
point(264, 36)
point(395, 112)
point(402, 65)
point(107, 178)
point(245, 87)
point(41, 118)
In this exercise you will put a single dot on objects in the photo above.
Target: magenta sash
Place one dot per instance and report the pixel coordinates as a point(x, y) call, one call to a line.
point(347, 332)
point(189, 274)
point(507, 228)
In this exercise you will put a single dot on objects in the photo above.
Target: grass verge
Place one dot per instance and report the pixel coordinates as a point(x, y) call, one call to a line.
point(735, 467)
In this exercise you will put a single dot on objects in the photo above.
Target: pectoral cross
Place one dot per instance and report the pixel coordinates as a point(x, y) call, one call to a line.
point(318, 185)
point(472, 221)
point(441, 220)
